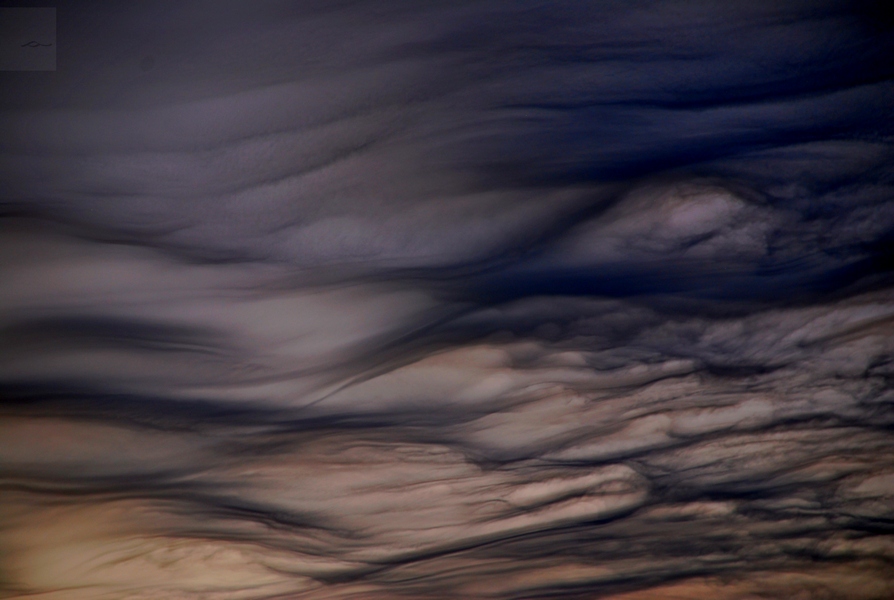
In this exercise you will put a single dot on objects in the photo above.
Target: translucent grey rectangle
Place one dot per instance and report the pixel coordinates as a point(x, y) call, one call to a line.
point(27, 39)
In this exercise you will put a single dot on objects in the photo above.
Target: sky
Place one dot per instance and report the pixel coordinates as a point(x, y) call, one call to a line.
point(437, 300)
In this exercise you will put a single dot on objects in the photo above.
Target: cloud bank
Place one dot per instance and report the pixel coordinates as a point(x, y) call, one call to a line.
point(449, 300)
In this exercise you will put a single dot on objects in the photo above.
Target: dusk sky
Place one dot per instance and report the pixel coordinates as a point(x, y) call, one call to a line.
point(435, 300)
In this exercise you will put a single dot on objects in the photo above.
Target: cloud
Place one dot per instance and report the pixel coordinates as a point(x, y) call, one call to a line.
point(478, 299)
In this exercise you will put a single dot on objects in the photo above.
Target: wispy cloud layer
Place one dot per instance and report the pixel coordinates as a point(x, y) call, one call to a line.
point(463, 300)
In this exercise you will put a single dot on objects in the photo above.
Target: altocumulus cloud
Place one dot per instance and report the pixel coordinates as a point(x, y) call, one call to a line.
point(449, 300)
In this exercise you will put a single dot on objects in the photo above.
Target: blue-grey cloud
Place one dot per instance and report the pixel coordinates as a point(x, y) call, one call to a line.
point(476, 299)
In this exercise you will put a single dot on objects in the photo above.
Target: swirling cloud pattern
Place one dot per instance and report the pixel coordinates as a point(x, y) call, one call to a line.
point(487, 300)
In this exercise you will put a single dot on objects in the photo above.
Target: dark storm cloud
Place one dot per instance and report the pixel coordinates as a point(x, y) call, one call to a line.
point(480, 300)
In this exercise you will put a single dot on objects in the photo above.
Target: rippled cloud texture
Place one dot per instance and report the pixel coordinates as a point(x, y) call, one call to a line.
point(430, 300)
